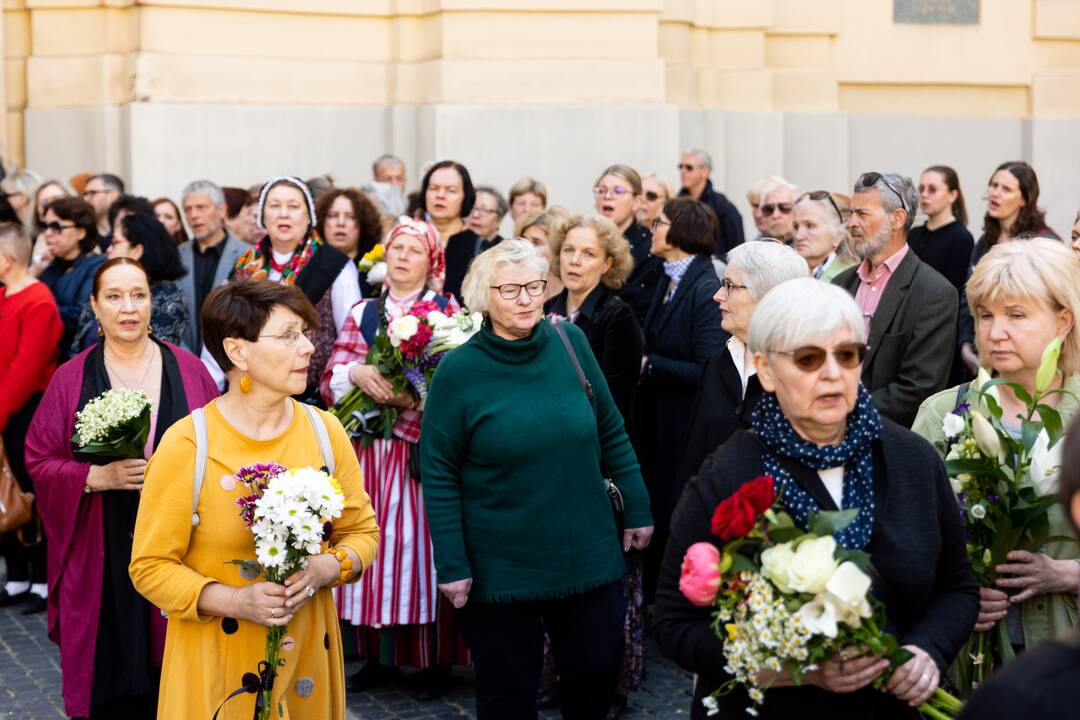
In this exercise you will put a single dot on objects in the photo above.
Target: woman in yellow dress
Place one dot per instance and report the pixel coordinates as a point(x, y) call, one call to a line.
point(186, 535)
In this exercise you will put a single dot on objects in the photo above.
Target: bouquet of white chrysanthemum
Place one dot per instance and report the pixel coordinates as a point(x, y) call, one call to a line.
point(115, 424)
point(289, 513)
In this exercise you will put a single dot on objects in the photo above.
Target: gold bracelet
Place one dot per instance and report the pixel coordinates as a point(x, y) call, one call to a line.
point(346, 564)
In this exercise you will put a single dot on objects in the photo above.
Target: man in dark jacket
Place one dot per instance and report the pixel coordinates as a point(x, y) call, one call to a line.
point(694, 170)
point(909, 309)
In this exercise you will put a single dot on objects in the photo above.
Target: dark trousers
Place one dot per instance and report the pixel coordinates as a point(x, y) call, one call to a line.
point(507, 644)
point(23, 563)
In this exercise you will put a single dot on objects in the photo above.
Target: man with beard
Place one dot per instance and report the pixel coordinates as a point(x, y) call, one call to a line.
point(909, 309)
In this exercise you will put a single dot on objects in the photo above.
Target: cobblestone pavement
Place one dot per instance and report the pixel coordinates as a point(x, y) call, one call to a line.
point(30, 684)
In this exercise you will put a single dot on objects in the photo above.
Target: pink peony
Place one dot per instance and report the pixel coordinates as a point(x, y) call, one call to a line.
point(701, 574)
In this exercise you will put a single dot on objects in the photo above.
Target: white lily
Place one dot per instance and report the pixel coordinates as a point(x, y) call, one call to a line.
point(986, 437)
point(819, 616)
point(847, 590)
point(1045, 464)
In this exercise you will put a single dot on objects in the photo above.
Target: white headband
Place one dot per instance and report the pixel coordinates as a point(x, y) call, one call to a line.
point(294, 181)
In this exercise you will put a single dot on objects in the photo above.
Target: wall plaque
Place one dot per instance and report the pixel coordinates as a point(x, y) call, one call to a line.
point(933, 12)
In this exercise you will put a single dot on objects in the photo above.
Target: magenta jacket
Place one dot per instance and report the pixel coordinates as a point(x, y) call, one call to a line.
point(72, 520)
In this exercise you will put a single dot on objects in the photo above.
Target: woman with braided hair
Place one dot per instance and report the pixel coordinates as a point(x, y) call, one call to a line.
point(395, 605)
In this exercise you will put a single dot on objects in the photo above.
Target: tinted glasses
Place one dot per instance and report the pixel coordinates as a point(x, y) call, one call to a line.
point(769, 209)
point(811, 358)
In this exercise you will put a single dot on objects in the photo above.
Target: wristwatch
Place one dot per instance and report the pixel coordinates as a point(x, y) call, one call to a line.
point(87, 489)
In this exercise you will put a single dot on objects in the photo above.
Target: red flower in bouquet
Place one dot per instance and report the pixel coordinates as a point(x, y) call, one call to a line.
point(414, 347)
point(736, 516)
point(421, 309)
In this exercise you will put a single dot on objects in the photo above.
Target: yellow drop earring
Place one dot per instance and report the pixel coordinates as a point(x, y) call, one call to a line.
point(245, 384)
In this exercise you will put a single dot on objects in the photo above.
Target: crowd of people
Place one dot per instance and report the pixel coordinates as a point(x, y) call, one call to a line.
point(646, 350)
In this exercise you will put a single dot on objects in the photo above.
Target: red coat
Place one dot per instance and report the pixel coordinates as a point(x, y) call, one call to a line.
point(31, 329)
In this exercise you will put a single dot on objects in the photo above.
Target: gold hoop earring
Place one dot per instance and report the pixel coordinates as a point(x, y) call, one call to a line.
point(245, 384)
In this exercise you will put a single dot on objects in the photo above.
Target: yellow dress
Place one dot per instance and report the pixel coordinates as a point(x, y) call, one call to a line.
point(171, 561)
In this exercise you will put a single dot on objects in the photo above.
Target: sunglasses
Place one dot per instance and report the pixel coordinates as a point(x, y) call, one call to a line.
point(54, 226)
point(651, 196)
point(818, 196)
point(769, 209)
point(811, 358)
point(687, 167)
point(871, 178)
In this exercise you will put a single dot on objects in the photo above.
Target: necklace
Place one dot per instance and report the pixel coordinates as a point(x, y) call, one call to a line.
point(142, 380)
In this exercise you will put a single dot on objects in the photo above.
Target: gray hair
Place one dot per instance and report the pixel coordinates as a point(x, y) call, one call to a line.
point(389, 198)
point(475, 288)
point(385, 159)
point(774, 183)
point(703, 157)
point(22, 180)
point(501, 206)
point(204, 187)
point(891, 187)
point(765, 265)
point(797, 312)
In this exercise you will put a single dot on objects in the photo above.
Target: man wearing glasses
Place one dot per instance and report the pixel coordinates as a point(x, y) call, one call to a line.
point(101, 191)
point(908, 308)
point(694, 170)
point(778, 209)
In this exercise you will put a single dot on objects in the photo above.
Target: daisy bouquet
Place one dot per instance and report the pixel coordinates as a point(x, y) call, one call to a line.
point(406, 354)
point(114, 425)
point(1006, 482)
point(289, 513)
point(787, 599)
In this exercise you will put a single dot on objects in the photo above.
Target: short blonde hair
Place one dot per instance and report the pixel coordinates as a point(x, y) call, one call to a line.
point(1042, 270)
point(611, 240)
point(623, 172)
point(528, 185)
point(667, 187)
point(476, 287)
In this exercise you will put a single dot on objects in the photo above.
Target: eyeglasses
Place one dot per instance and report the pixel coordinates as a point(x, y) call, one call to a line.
point(54, 227)
point(91, 193)
point(289, 337)
point(727, 286)
point(510, 291)
point(652, 196)
point(617, 191)
point(657, 222)
point(484, 210)
point(818, 196)
point(870, 179)
point(769, 209)
point(810, 358)
point(687, 167)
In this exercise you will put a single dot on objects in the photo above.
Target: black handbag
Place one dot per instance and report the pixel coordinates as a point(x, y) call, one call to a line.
point(614, 495)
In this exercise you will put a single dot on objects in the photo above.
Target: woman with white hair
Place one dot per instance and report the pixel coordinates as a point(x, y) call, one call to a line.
point(518, 434)
point(1023, 295)
point(821, 234)
point(20, 188)
point(729, 389)
point(816, 432)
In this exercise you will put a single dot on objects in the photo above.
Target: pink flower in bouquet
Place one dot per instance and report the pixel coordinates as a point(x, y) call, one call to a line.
point(414, 347)
point(421, 309)
point(701, 574)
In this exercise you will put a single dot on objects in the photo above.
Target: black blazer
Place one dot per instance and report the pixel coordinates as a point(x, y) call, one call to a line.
point(460, 250)
point(917, 547)
point(648, 272)
point(912, 338)
point(720, 409)
point(616, 340)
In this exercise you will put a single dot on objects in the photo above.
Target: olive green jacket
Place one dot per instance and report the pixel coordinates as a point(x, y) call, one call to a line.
point(1045, 616)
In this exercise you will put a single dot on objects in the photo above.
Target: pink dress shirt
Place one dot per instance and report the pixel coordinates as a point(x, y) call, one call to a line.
point(872, 285)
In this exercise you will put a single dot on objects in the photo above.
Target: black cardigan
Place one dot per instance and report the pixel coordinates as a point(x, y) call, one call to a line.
point(616, 341)
point(460, 251)
point(917, 547)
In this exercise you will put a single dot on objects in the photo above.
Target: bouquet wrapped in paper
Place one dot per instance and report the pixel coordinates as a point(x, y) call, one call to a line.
point(406, 355)
point(1006, 486)
point(787, 599)
point(115, 425)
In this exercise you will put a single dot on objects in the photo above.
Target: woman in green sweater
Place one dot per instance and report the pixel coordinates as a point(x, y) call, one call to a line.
point(513, 460)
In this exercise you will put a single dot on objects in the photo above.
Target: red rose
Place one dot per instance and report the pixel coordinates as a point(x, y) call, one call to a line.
point(414, 347)
point(760, 493)
point(734, 518)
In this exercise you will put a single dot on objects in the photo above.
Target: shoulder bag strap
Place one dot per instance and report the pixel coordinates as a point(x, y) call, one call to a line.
point(585, 384)
point(321, 435)
point(198, 418)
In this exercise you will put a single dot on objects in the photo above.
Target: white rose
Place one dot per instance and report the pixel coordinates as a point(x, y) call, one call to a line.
point(812, 565)
point(402, 329)
point(1045, 465)
point(774, 566)
point(952, 425)
point(819, 616)
point(437, 319)
point(847, 589)
point(377, 274)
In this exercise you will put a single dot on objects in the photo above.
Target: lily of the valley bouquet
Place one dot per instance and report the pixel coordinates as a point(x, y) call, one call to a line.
point(787, 599)
point(1007, 483)
point(115, 425)
point(406, 355)
point(290, 514)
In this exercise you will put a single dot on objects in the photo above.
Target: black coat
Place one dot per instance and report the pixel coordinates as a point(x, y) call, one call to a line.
point(729, 231)
point(912, 338)
point(460, 250)
point(719, 410)
point(680, 337)
point(648, 272)
point(917, 547)
point(616, 341)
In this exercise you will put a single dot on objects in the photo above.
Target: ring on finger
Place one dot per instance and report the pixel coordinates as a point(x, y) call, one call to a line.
point(273, 612)
point(311, 591)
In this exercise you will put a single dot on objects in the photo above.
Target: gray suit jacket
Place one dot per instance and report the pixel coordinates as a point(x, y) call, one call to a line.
point(229, 255)
point(912, 338)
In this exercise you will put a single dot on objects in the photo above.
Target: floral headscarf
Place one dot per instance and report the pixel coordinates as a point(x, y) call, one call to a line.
point(429, 238)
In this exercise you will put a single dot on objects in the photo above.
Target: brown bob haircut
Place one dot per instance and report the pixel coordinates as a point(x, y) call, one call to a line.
point(693, 226)
point(241, 309)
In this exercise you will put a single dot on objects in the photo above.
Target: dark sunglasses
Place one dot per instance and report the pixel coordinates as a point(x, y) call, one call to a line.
point(651, 196)
point(54, 226)
point(769, 209)
point(871, 178)
point(811, 358)
point(818, 196)
point(687, 167)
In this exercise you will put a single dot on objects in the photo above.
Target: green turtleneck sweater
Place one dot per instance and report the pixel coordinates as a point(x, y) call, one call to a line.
point(510, 453)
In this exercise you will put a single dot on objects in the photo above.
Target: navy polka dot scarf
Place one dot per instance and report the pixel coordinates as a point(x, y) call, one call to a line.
point(854, 453)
